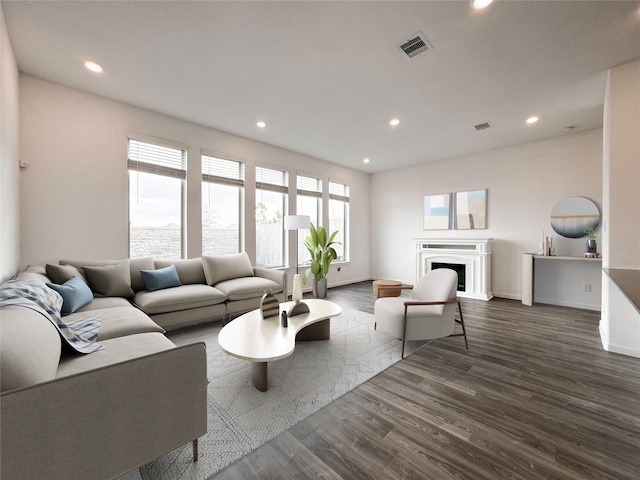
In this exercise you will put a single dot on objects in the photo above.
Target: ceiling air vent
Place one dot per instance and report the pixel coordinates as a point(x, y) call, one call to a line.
point(417, 45)
point(483, 126)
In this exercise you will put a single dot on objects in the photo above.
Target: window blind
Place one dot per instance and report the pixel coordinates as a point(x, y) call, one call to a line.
point(271, 179)
point(220, 170)
point(338, 191)
point(309, 186)
point(156, 159)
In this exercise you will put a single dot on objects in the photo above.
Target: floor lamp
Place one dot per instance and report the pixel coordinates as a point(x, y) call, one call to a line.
point(297, 222)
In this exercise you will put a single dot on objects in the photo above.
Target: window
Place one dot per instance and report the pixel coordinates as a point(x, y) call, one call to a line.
point(222, 205)
point(156, 190)
point(309, 202)
point(271, 206)
point(339, 217)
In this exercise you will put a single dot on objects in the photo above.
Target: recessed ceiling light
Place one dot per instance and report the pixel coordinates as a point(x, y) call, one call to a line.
point(93, 66)
point(533, 119)
point(394, 122)
point(366, 160)
point(480, 4)
point(261, 124)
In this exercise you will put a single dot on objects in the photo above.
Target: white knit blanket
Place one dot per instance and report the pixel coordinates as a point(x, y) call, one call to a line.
point(79, 334)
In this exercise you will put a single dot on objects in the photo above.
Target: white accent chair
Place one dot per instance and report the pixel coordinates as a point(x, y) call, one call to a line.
point(428, 313)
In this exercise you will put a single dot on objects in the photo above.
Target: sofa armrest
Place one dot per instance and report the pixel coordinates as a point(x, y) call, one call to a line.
point(278, 276)
point(105, 422)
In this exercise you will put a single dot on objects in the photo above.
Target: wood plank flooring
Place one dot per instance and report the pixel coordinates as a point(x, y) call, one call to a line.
point(534, 397)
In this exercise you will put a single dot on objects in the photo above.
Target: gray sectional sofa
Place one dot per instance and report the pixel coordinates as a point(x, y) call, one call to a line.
point(211, 286)
point(66, 415)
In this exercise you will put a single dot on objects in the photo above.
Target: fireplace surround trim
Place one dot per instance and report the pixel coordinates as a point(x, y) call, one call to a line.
point(475, 254)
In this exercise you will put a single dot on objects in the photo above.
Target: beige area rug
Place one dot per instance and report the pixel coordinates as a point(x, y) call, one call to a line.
point(241, 418)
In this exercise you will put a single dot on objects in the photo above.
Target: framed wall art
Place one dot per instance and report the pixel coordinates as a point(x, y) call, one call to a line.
point(470, 210)
point(437, 212)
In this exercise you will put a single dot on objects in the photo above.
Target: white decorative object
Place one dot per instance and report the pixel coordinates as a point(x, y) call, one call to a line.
point(296, 294)
point(473, 254)
point(250, 338)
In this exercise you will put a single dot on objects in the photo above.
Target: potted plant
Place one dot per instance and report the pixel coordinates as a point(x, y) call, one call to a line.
point(590, 232)
point(322, 254)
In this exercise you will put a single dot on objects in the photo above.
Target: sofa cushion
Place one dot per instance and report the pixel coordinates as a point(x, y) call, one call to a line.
point(110, 280)
point(161, 278)
point(61, 273)
point(75, 294)
point(116, 350)
point(189, 270)
point(121, 321)
point(135, 265)
point(218, 268)
point(33, 273)
point(178, 298)
point(247, 287)
point(30, 348)
point(105, 302)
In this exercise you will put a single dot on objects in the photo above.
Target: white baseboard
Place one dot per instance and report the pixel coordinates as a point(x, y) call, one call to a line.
point(509, 296)
point(562, 303)
point(615, 348)
point(308, 288)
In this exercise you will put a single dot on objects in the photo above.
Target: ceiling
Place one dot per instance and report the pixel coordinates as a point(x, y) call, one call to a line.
point(327, 77)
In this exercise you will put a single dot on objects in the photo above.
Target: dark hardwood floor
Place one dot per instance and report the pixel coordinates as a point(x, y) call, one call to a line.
point(535, 396)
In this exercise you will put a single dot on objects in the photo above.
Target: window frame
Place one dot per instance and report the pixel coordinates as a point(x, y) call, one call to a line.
point(229, 181)
point(345, 199)
point(282, 187)
point(316, 193)
point(161, 169)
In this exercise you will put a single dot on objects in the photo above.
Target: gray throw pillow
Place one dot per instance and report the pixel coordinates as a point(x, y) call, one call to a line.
point(190, 271)
point(62, 273)
point(218, 268)
point(110, 280)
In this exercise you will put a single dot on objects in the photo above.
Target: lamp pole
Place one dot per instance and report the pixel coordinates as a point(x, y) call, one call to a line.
point(297, 222)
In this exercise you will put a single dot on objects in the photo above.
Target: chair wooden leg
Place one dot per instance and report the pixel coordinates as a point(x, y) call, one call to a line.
point(404, 331)
point(464, 332)
point(195, 450)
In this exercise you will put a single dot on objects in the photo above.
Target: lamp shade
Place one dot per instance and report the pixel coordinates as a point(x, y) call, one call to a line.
point(296, 222)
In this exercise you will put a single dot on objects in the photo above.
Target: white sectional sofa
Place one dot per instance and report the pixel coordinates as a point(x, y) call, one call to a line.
point(66, 415)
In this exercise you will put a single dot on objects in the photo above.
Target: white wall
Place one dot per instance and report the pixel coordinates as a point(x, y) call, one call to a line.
point(524, 183)
point(9, 157)
point(620, 324)
point(621, 167)
point(75, 194)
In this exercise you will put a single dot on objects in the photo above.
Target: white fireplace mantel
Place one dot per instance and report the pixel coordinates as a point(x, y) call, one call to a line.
point(474, 254)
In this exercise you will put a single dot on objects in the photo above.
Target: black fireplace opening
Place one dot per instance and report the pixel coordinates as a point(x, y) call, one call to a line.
point(459, 268)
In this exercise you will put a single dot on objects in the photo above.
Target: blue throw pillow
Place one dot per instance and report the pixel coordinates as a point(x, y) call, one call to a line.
point(161, 278)
point(75, 294)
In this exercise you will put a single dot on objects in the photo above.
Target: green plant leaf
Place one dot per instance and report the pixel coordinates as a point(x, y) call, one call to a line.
point(315, 266)
point(320, 251)
point(322, 237)
point(313, 234)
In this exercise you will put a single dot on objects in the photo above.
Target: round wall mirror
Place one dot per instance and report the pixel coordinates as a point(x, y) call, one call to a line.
point(571, 217)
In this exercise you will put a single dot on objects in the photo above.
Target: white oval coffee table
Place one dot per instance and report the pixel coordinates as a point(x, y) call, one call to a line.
point(259, 341)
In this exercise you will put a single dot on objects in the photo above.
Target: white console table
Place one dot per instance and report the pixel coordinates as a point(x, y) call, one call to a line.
point(528, 271)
